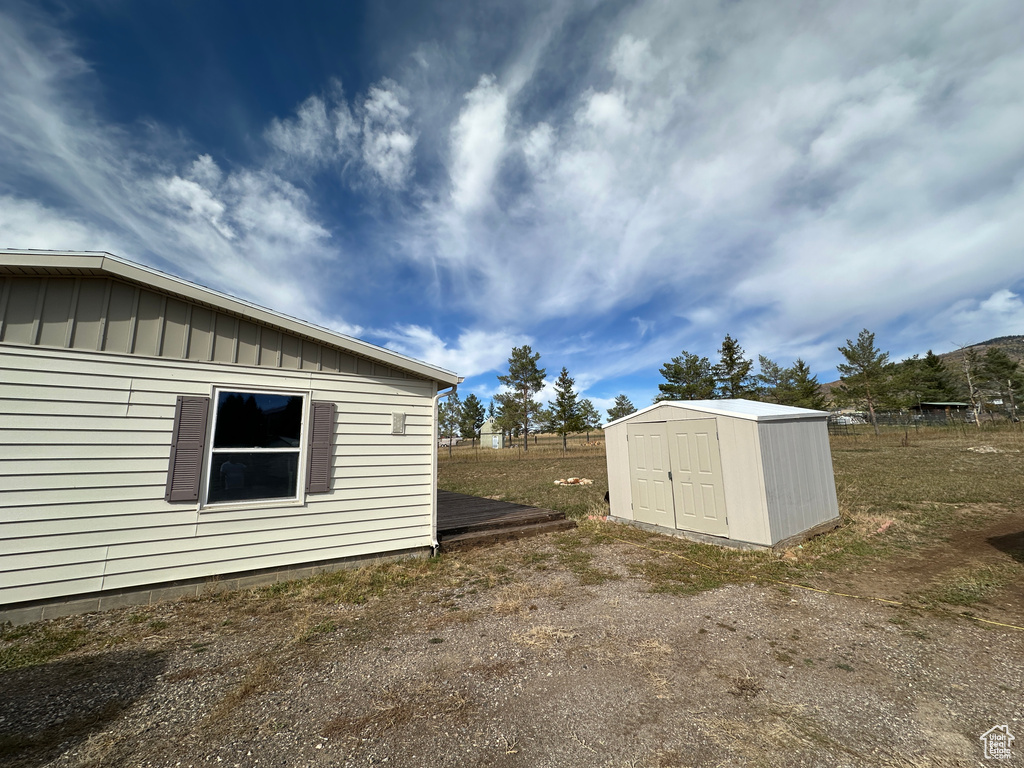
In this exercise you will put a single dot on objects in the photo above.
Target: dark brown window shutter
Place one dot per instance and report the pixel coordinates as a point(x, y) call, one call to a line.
point(188, 447)
point(321, 448)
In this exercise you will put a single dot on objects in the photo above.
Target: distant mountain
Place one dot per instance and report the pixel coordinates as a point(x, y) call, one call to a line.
point(1011, 345)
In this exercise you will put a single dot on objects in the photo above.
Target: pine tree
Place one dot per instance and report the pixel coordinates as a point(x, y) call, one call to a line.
point(774, 381)
point(472, 417)
point(565, 416)
point(732, 374)
point(687, 377)
point(621, 407)
point(449, 415)
point(865, 374)
point(589, 417)
point(1003, 376)
point(525, 380)
point(804, 390)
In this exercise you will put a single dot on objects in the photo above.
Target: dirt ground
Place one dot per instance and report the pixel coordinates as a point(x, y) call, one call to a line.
point(517, 656)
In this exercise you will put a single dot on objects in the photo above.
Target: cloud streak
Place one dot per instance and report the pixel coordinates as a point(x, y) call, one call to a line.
point(646, 180)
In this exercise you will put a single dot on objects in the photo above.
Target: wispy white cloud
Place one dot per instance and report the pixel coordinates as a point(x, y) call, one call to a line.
point(474, 352)
point(328, 132)
point(784, 174)
point(478, 145)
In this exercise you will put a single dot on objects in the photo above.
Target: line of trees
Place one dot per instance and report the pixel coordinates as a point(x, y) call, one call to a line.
point(690, 377)
point(869, 381)
point(516, 411)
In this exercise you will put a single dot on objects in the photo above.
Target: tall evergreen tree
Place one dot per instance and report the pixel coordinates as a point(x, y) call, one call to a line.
point(732, 373)
point(472, 417)
point(448, 417)
point(935, 380)
point(565, 415)
point(589, 417)
point(1004, 377)
point(774, 381)
point(525, 380)
point(865, 374)
point(621, 407)
point(687, 377)
point(804, 390)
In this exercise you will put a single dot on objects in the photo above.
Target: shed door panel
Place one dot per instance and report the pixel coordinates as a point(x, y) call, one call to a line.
point(697, 477)
point(649, 477)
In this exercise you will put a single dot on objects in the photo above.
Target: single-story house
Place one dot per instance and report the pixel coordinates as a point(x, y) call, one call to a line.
point(156, 435)
point(735, 472)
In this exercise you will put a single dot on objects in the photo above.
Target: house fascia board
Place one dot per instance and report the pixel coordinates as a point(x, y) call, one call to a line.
point(101, 263)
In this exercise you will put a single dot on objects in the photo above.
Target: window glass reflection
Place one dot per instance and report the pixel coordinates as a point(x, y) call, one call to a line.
point(258, 420)
point(240, 476)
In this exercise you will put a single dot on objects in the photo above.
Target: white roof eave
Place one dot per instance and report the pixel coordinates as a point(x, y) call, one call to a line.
point(714, 407)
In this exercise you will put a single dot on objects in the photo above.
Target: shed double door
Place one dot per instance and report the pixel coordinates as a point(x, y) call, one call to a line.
point(676, 475)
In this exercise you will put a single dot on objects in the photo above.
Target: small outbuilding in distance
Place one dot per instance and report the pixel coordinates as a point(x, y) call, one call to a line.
point(734, 472)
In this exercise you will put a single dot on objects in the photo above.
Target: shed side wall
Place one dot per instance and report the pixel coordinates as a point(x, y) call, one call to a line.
point(799, 480)
point(620, 495)
point(84, 445)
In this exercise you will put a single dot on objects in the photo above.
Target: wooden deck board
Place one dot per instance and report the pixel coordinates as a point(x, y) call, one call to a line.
point(459, 513)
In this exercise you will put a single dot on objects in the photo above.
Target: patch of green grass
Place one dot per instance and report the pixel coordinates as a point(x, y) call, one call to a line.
point(968, 586)
point(574, 552)
point(528, 478)
point(317, 630)
point(37, 644)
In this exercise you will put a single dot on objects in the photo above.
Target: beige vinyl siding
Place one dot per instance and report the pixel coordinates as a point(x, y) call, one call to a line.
point(740, 452)
point(84, 445)
point(109, 315)
point(799, 482)
point(620, 493)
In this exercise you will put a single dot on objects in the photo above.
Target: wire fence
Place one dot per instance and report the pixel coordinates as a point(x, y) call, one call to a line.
point(962, 420)
point(544, 442)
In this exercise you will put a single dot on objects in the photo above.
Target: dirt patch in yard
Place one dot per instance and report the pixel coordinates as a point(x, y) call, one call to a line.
point(552, 651)
point(995, 549)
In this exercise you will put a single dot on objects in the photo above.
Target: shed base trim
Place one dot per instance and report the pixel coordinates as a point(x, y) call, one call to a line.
point(701, 538)
point(810, 533)
point(25, 613)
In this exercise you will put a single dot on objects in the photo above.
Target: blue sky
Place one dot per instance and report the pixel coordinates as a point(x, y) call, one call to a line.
point(610, 182)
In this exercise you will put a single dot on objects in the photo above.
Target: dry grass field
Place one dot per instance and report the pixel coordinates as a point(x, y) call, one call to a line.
point(602, 646)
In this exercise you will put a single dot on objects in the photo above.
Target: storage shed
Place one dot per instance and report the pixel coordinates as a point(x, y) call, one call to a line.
point(155, 434)
point(491, 436)
point(734, 472)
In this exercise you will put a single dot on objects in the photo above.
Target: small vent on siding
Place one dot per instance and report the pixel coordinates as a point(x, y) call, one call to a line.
point(321, 448)
point(397, 423)
point(188, 445)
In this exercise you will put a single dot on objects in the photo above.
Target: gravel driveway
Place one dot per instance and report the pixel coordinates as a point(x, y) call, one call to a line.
point(507, 659)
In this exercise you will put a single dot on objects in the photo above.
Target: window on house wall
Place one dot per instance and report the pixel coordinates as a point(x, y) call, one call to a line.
point(257, 444)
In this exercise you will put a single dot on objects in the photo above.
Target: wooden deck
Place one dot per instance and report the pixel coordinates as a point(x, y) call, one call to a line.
point(465, 521)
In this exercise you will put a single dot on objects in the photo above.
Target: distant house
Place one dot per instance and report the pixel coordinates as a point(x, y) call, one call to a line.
point(155, 434)
point(946, 408)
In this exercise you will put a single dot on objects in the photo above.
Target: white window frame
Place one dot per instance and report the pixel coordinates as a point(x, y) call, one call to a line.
point(303, 449)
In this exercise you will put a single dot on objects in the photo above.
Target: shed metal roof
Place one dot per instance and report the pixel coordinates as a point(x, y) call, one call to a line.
point(98, 263)
point(751, 410)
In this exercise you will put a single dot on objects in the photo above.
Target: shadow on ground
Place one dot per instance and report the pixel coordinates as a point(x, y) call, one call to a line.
point(1012, 544)
point(50, 708)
